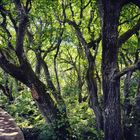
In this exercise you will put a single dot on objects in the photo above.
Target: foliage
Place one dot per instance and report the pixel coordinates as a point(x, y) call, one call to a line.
point(23, 109)
point(60, 35)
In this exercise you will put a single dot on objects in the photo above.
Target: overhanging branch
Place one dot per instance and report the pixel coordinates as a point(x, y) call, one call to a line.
point(124, 37)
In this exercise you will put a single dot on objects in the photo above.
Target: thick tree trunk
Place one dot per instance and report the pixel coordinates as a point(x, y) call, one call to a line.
point(47, 106)
point(136, 121)
point(110, 12)
point(112, 124)
point(56, 116)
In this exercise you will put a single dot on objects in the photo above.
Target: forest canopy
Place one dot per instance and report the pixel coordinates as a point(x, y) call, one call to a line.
point(70, 69)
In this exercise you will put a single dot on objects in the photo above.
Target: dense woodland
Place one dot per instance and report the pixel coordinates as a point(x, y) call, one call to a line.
point(70, 69)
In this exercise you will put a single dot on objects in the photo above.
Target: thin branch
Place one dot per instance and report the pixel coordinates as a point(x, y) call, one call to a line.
point(71, 9)
point(123, 58)
point(28, 5)
point(4, 24)
point(90, 20)
point(55, 69)
point(55, 57)
point(68, 69)
point(64, 10)
point(81, 12)
point(126, 21)
point(87, 4)
point(53, 46)
point(82, 8)
point(49, 80)
point(7, 12)
point(82, 40)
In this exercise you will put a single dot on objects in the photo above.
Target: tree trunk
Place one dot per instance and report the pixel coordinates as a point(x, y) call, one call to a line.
point(110, 12)
point(93, 99)
point(56, 116)
point(91, 81)
point(127, 108)
point(47, 106)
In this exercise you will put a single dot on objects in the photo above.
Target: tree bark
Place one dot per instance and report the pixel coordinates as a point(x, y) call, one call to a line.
point(91, 82)
point(93, 97)
point(110, 12)
point(47, 106)
point(24, 73)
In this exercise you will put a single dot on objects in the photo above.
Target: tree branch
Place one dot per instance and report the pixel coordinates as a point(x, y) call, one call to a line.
point(124, 37)
point(13, 21)
point(12, 69)
point(127, 21)
point(54, 46)
point(55, 63)
point(23, 20)
point(128, 69)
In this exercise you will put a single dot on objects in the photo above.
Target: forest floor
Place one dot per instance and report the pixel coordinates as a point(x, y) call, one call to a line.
point(8, 127)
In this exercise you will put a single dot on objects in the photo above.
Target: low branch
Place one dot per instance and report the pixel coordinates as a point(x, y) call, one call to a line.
point(128, 69)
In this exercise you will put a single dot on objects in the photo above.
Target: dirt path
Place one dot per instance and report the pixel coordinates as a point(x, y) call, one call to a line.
point(8, 128)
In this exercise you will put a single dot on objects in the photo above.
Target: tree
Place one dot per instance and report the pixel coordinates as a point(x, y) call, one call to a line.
point(76, 23)
point(90, 46)
point(111, 43)
point(22, 69)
